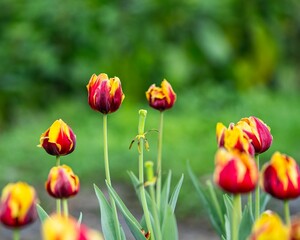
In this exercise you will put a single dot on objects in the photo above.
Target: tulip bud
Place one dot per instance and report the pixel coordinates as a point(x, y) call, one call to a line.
point(58, 227)
point(281, 177)
point(233, 138)
point(105, 95)
point(235, 172)
point(269, 227)
point(258, 132)
point(18, 202)
point(161, 98)
point(59, 139)
point(62, 182)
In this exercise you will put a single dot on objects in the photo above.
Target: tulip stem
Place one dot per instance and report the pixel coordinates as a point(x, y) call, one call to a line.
point(16, 234)
point(236, 216)
point(287, 213)
point(159, 157)
point(257, 193)
point(141, 126)
point(107, 174)
point(57, 160)
point(65, 206)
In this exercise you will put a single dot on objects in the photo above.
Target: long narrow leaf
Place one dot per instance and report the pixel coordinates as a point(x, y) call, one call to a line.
point(107, 221)
point(165, 197)
point(169, 228)
point(43, 215)
point(175, 193)
point(79, 219)
point(245, 225)
point(131, 222)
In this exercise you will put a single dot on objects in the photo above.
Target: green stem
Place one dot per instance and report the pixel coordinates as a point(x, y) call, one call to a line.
point(16, 234)
point(58, 201)
point(250, 204)
point(257, 193)
point(65, 207)
point(107, 174)
point(159, 157)
point(150, 178)
point(215, 202)
point(287, 213)
point(236, 216)
point(142, 119)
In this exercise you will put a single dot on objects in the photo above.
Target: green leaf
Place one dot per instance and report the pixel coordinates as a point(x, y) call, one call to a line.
point(245, 225)
point(227, 228)
point(169, 228)
point(264, 199)
point(107, 221)
point(43, 215)
point(165, 197)
point(79, 219)
point(131, 222)
point(175, 193)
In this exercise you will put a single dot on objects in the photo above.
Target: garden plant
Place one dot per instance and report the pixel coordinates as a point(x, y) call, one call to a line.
point(236, 198)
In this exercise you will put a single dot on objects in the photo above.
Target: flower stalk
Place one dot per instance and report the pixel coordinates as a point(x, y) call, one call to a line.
point(141, 127)
point(58, 201)
point(107, 175)
point(236, 216)
point(65, 207)
point(287, 213)
point(257, 193)
point(159, 157)
point(16, 234)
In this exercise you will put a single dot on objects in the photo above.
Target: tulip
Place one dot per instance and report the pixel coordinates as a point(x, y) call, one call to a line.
point(258, 132)
point(269, 227)
point(62, 182)
point(161, 98)
point(57, 227)
point(235, 172)
point(18, 202)
point(281, 177)
point(59, 139)
point(105, 94)
point(233, 138)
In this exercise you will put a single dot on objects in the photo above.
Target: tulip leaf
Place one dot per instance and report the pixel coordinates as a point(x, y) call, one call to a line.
point(43, 215)
point(169, 227)
point(79, 219)
point(245, 225)
point(175, 193)
point(264, 199)
point(107, 221)
point(208, 204)
point(131, 222)
point(227, 228)
point(165, 196)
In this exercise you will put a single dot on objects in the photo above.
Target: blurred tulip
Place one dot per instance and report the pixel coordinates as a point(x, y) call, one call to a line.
point(235, 172)
point(57, 227)
point(269, 227)
point(59, 139)
point(281, 177)
point(18, 205)
point(161, 98)
point(62, 182)
point(258, 132)
point(105, 95)
point(233, 138)
point(295, 228)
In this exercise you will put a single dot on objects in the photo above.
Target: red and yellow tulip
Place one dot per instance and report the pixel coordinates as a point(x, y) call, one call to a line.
point(57, 227)
point(62, 182)
point(18, 202)
point(161, 98)
point(269, 227)
point(233, 138)
point(59, 139)
point(281, 177)
point(258, 132)
point(235, 172)
point(105, 94)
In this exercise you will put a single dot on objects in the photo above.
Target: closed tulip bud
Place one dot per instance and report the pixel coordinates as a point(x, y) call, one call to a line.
point(235, 172)
point(281, 177)
point(161, 98)
point(105, 94)
point(18, 202)
point(258, 132)
point(233, 138)
point(62, 182)
point(269, 227)
point(59, 139)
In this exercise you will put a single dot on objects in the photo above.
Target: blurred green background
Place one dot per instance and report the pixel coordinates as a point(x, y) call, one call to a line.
point(225, 60)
